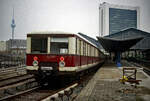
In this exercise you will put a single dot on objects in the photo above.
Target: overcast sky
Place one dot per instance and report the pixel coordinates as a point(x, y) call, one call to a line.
point(61, 15)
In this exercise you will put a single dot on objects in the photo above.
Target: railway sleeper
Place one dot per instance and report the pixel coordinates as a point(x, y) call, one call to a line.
point(64, 95)
point(13, 90)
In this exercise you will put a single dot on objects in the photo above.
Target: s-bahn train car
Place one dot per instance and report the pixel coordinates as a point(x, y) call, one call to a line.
point(60, 53)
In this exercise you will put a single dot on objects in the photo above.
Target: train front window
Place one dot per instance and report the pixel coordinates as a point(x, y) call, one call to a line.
point(59, 45)
point(38, 45)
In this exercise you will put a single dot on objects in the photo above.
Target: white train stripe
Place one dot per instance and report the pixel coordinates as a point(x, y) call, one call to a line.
point(68, 69)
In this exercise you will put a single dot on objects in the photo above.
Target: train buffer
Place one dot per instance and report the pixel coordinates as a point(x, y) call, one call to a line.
point(129, 75)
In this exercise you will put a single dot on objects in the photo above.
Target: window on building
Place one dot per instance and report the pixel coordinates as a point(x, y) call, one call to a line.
point(38, 45)
point(59, 45)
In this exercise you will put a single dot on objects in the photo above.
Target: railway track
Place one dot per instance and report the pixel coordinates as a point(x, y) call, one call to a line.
point(13, 80)
point(34, 94)
point(145, 69)
point(43, 93)
point(14, 85)
point(10, 97)
point(6, 73)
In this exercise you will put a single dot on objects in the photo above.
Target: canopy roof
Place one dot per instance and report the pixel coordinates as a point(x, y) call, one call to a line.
point(114, 45)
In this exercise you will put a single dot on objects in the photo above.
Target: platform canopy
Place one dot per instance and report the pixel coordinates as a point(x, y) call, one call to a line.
point(115, 45)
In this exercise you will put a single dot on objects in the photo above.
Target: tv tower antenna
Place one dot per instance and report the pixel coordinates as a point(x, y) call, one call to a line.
point(13, 25)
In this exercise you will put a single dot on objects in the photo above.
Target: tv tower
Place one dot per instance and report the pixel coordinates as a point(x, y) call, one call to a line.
point(13, 25)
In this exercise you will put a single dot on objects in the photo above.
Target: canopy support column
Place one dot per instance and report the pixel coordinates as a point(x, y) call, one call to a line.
point(118, 59)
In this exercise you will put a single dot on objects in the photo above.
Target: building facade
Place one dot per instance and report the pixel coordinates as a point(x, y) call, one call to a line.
point(114, 18)
point(2, 46)
point(16, 46)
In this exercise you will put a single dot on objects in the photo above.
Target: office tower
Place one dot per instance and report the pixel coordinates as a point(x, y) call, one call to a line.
point(114, 18)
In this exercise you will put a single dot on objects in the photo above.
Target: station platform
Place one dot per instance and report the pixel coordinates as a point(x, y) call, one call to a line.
point(105, 86)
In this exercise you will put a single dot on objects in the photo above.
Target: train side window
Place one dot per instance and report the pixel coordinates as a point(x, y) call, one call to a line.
point(59, 45)
point(84, 49)
point(38, 45)
point(88, 50)
point(78, 46)
point(92, 51)
point(81, 49)
point(96, 53)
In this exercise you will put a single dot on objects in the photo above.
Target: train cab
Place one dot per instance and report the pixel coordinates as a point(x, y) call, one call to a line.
point(54, 53)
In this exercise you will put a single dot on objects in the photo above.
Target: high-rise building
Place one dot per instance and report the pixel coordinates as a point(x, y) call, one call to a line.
point(114, 18)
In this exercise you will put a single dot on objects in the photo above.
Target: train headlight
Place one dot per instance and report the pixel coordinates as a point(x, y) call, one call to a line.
point(35, 63)
point(61, 63)
point(35, 58)
point(62, 59)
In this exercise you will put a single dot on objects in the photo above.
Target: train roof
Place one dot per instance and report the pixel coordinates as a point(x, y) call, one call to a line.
point(89, 40)
point(49, 32)
point(63, 33)
point(92, 40)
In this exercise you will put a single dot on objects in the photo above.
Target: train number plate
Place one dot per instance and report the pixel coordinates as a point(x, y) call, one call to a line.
point(46, 68)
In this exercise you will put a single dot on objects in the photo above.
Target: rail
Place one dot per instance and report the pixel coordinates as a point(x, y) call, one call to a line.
point(19, 93)
point(9, 89)
point(144, 64)
point(66, 92)
point(13, 80)
point(6, 73)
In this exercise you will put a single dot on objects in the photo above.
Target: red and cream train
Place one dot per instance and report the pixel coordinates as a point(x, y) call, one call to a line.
point(60, 53)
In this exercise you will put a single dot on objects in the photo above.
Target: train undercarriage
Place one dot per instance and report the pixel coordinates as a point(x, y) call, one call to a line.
point(50, 77)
